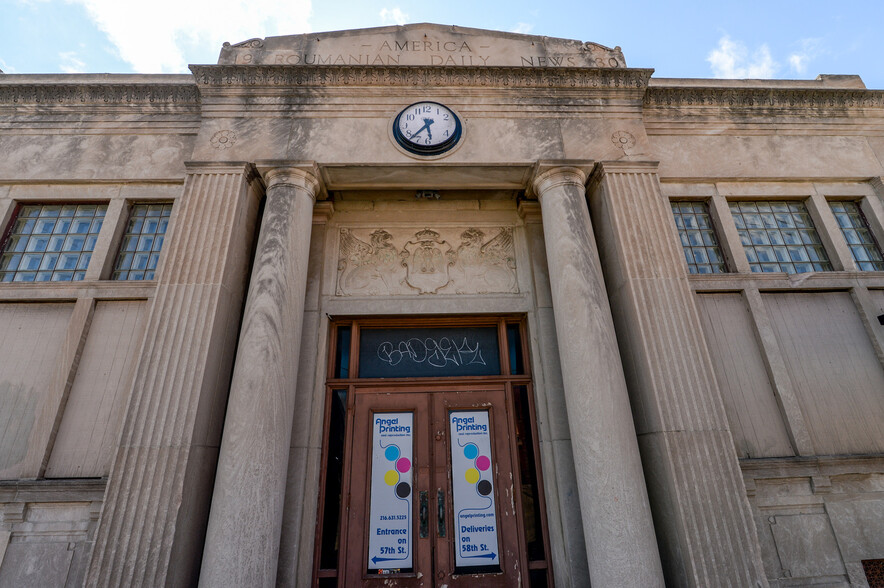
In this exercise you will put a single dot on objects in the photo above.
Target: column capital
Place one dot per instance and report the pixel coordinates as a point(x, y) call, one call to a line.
point(621, 167)
point(302, 175)
point(222, 167)
point(549, 174)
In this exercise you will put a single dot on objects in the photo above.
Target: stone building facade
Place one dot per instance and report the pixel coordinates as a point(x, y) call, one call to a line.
point(605, 328)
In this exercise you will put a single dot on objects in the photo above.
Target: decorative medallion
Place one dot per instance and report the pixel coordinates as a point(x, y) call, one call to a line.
point(223, 139)
point(428, 262)
point(623, 140)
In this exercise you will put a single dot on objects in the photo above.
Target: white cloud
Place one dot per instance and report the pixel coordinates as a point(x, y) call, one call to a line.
point(522, 27)
point(5, 67)
point(70, 63)
point(154, 37)
point(393, 16)
point(809, 49)
point(732, 60)
point(798, 62)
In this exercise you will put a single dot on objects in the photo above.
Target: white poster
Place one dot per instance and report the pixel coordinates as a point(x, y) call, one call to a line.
point(475, 518)
point(389, 542)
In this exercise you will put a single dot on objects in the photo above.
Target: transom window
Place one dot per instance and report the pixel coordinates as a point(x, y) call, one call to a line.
point(701, 250)
point(779, 236)
point(860, 240)
point(51, 242)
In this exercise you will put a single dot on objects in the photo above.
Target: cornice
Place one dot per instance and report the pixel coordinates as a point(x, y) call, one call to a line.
point(764, 98)
point(226, 76)
point(71, 94)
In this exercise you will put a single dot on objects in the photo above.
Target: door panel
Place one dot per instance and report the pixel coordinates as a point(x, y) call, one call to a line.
point(475, 459)
point(459, 525)
point(355, 540)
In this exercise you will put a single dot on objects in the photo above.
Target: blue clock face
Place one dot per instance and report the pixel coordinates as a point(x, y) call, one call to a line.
point(427, 128)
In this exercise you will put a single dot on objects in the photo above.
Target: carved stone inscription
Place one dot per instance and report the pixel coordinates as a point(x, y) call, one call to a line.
point(426, 261)
point(421, 44)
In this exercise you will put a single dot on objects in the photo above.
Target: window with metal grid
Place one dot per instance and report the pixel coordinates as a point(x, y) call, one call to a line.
point(51, 242)
point(698, 240)
point(140, 248)
point(860, 240)
point(779, 236)
point(874, 569)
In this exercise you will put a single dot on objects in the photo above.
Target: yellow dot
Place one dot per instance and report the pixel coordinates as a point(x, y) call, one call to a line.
point(472, 475)
point(392, 477)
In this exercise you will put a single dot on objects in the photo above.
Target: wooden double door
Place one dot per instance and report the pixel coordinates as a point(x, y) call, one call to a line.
point(431, 488)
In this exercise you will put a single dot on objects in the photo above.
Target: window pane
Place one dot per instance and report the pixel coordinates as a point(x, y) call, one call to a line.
point(698, 238)
point(779, 237)
point(331, 527)
point(142, 242)
point(514, 347)
point(53, 237)
point(863, 247)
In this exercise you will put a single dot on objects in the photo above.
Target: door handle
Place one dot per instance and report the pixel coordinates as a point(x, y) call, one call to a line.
point(440, 511)
point(424, 515)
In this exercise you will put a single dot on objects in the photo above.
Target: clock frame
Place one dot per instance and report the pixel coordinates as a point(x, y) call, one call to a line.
point(415, 125)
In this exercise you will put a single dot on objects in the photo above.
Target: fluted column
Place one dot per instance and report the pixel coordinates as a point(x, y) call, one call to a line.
point(153, 519)
point(620, 543)
point(242, 540)
point(706, 533)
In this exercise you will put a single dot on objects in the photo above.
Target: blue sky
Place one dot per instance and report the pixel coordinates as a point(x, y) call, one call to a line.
point(749, 39)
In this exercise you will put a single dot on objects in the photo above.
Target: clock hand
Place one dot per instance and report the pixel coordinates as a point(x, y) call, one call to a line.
point(427, 123)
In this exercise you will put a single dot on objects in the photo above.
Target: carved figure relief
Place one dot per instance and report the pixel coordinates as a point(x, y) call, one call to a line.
point(490, 266)
point(426, 263)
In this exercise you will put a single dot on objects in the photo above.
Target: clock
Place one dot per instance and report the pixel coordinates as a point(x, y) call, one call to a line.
point(427, 128)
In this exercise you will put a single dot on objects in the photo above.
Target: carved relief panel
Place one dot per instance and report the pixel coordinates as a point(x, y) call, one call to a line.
point(400, 262)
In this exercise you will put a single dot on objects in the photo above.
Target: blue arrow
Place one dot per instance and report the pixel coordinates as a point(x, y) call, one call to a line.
point(491, 555)
point(376, 559)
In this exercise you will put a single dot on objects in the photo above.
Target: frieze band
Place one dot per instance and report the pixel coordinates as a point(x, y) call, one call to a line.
point(141, 94)
point(764, 98)
point(517, 77)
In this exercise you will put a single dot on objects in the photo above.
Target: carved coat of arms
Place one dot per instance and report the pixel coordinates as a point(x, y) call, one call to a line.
point(427, 259)
point(426, 263)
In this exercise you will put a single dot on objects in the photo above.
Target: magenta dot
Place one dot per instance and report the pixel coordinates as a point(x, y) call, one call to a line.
point(483, 463)
point(403, 464)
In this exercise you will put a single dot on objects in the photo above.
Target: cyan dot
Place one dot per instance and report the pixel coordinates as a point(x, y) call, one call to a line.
point(470, 451)
point(391, 453)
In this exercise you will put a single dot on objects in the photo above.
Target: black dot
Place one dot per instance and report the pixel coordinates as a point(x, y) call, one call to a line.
point(484, 487)
point(403, 489)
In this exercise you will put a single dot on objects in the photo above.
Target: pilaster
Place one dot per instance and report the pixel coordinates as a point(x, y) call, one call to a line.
point(620, 545)
point(153, 520)
point(704, 526)
point(243, 535)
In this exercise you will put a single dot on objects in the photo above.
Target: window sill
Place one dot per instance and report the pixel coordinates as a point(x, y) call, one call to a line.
point(782, 281)
point(61, 291)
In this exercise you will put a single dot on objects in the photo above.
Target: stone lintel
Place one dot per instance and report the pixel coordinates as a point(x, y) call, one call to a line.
point(427, 175)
